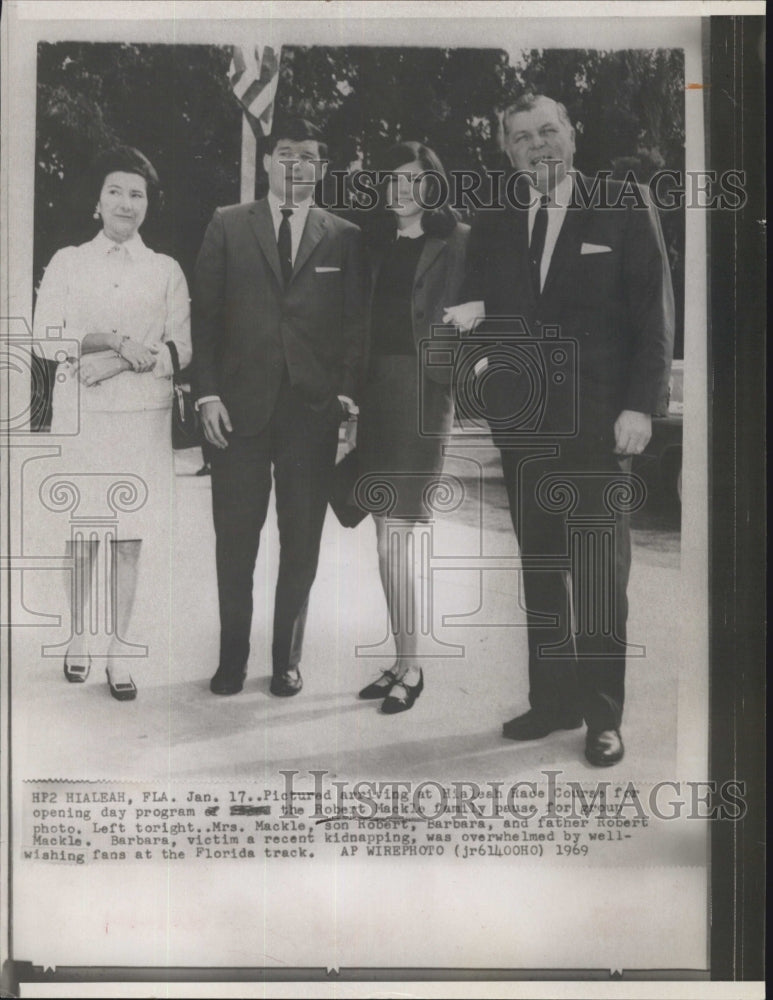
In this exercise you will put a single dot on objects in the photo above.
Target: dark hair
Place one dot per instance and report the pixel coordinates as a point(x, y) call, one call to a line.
point(128, 160)
point(296, 130)
point(527, 102)
point(440, 221)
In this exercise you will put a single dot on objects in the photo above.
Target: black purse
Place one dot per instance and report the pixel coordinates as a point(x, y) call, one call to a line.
point(345, 476)
point(186, 429)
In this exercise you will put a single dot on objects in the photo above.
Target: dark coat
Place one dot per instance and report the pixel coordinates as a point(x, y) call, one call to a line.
point(607, 293)
point(247, 327)
point(436, 285)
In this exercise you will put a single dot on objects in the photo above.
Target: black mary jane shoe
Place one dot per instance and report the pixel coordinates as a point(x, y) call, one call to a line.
point(76, 673)
point(380, 687)
point(122, 690)
point(402, 696)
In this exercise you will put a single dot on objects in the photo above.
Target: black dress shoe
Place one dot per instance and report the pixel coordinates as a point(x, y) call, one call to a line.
point(533, 725)
point(227, 681)
point(286, 683)
point(604, 747)
point(379, 688)
point(402, 696)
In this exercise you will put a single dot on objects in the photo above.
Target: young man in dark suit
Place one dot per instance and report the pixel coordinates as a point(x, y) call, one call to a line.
point(278, 334)
point(584, 262)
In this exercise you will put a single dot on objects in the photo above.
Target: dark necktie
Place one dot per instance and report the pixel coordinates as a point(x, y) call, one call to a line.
point(537, 245)
point(285, 246)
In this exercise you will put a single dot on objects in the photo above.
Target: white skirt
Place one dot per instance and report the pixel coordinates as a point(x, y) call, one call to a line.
point(113, 480)
point(117, 472)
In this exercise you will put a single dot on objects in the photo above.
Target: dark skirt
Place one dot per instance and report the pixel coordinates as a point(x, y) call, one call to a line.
point(405, 421)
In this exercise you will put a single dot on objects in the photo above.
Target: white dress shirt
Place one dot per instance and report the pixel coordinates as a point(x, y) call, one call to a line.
point(559, 199)
point(412, 232)
point(124, 288)
point(297, 220)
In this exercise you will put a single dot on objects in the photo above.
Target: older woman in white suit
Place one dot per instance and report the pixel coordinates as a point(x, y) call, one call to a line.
point(125, 304)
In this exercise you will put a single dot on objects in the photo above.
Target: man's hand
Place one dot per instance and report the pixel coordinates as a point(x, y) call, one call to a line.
point(465, 315)
point(348, 408)
point(95, 368)
point(215, 421)
point(141, 358)
point(632, 432)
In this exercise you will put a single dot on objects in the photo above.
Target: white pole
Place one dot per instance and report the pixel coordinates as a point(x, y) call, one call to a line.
point(249, 158)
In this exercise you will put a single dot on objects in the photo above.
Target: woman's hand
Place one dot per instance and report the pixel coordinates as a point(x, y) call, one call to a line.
point(141, 358)
point(465, 315)
point(95, 368)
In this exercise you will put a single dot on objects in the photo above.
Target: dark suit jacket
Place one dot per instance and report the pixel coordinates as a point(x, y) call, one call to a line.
point(436, 285)
point(616, 304)
point(246, 327)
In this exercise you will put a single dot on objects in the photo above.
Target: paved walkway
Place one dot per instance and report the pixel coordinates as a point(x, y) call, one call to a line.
point(177, 730)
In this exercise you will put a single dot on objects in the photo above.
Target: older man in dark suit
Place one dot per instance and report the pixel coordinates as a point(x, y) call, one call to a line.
point(278, 335)
point(573, 274)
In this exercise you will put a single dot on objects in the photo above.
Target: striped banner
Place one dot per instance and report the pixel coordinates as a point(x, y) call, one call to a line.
point(254, 80)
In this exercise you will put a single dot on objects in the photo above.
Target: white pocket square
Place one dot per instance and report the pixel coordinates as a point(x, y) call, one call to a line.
point(595, 248)
point(326, 270)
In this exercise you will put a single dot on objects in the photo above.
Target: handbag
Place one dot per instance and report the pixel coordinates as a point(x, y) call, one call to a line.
point(186, 429)
point(341, 498)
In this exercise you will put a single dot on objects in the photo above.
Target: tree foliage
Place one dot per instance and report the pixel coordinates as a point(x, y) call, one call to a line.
point(378, 96)
point(627, 104)
point(175, 104)
point(169, 101)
